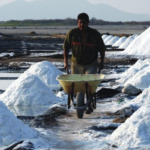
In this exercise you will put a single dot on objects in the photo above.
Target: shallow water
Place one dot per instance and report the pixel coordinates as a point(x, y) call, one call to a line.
point(27, 110)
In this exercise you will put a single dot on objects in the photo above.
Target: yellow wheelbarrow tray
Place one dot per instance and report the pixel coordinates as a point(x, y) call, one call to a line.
point(77, 82)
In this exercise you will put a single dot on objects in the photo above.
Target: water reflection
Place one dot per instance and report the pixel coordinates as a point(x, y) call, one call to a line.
point(28, 110)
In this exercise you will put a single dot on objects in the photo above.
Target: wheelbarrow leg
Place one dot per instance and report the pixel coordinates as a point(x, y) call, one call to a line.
point(72, 93)
point(89, 109)
point(93, 101)
point(70, 96)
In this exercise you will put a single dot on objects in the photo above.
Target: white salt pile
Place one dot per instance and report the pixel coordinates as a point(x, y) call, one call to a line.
point(45, 71)
point(32, 87)
point(7, 54)
point(135, 132)
point(141, 79)
point(140, 100)
point(137, 75)
point(126, 43)
point(120, 41)
point(141, 45)
point(12, 129)
point(112, 40)
point(104, 36)
point(28, 90)
point(108, 38)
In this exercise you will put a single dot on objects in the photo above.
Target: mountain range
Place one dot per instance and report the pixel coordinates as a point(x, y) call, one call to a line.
point(62, 9)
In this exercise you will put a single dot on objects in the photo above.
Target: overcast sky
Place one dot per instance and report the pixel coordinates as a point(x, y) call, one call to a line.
point(133, 6)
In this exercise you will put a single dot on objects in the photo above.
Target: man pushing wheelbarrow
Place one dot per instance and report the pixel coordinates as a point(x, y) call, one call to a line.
point(85, 43)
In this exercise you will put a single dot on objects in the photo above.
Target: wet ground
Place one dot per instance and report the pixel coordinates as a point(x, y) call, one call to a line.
point(71, 131)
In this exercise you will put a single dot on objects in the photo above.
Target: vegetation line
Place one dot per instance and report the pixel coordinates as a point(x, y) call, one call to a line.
point(64, 22)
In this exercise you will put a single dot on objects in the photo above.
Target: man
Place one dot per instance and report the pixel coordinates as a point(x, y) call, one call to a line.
point(85, 44)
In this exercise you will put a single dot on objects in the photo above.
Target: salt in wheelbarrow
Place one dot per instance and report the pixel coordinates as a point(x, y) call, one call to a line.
point(84, 86)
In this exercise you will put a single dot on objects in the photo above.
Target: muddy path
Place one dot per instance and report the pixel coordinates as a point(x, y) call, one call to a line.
point(107, 61)
point(70, 129)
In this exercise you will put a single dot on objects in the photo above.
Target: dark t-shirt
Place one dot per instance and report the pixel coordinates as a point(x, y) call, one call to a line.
point(84, 54)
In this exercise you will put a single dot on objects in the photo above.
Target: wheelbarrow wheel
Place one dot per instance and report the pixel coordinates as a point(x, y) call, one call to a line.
point(80, 103)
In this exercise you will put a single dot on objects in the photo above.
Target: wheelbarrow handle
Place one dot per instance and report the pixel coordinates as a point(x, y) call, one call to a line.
point(99, 70)
point(67, 70)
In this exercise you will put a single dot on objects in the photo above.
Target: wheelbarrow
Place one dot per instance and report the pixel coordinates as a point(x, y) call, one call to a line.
point(84, 86)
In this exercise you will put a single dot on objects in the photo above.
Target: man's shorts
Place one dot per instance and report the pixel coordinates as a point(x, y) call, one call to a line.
point(84, 69)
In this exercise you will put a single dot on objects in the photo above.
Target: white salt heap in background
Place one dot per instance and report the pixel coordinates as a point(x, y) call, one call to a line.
point(112, 40)
point(108, 38)
point(120, 41)
point(127, 42)
point(12, 129)
point(104, 36)
point(141, 45)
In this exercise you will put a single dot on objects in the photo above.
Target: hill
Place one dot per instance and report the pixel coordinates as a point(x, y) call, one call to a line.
point(62, 9)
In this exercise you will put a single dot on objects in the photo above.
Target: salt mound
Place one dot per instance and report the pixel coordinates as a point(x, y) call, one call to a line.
point(141, 45)
point(46, 71)
point(138, 66)
point(104, 36)
point(120, 41)
point(28, 90)
point(126, 77)
point(108, 38)
point(12, 129)
point(112, 40)
point(135, 132)
point(125, 44)
point(141, 79)
point(141, 100)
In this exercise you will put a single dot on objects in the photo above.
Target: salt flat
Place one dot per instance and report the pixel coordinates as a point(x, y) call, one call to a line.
point(112, 29)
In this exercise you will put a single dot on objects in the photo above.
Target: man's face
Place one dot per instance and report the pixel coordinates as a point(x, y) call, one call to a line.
point(82, 24)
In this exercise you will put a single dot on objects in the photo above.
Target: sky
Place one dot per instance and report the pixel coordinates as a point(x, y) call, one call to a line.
point(132, 6)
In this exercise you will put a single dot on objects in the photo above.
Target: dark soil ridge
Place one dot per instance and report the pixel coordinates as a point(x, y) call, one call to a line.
point(107, 61)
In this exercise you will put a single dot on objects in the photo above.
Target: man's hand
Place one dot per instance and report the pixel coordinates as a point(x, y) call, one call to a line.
point(66, 67)
point(99, 70)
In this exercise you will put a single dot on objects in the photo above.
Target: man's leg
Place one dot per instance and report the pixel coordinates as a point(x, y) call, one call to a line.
point(78, 69)
point(92, 68)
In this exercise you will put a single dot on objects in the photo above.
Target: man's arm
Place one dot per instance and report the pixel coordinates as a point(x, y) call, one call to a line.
point(102, 49)
point(66, 48)
point(66, 53)
point(102, 55)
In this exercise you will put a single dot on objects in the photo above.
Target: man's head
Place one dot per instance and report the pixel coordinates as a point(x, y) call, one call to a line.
point(83, 21)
